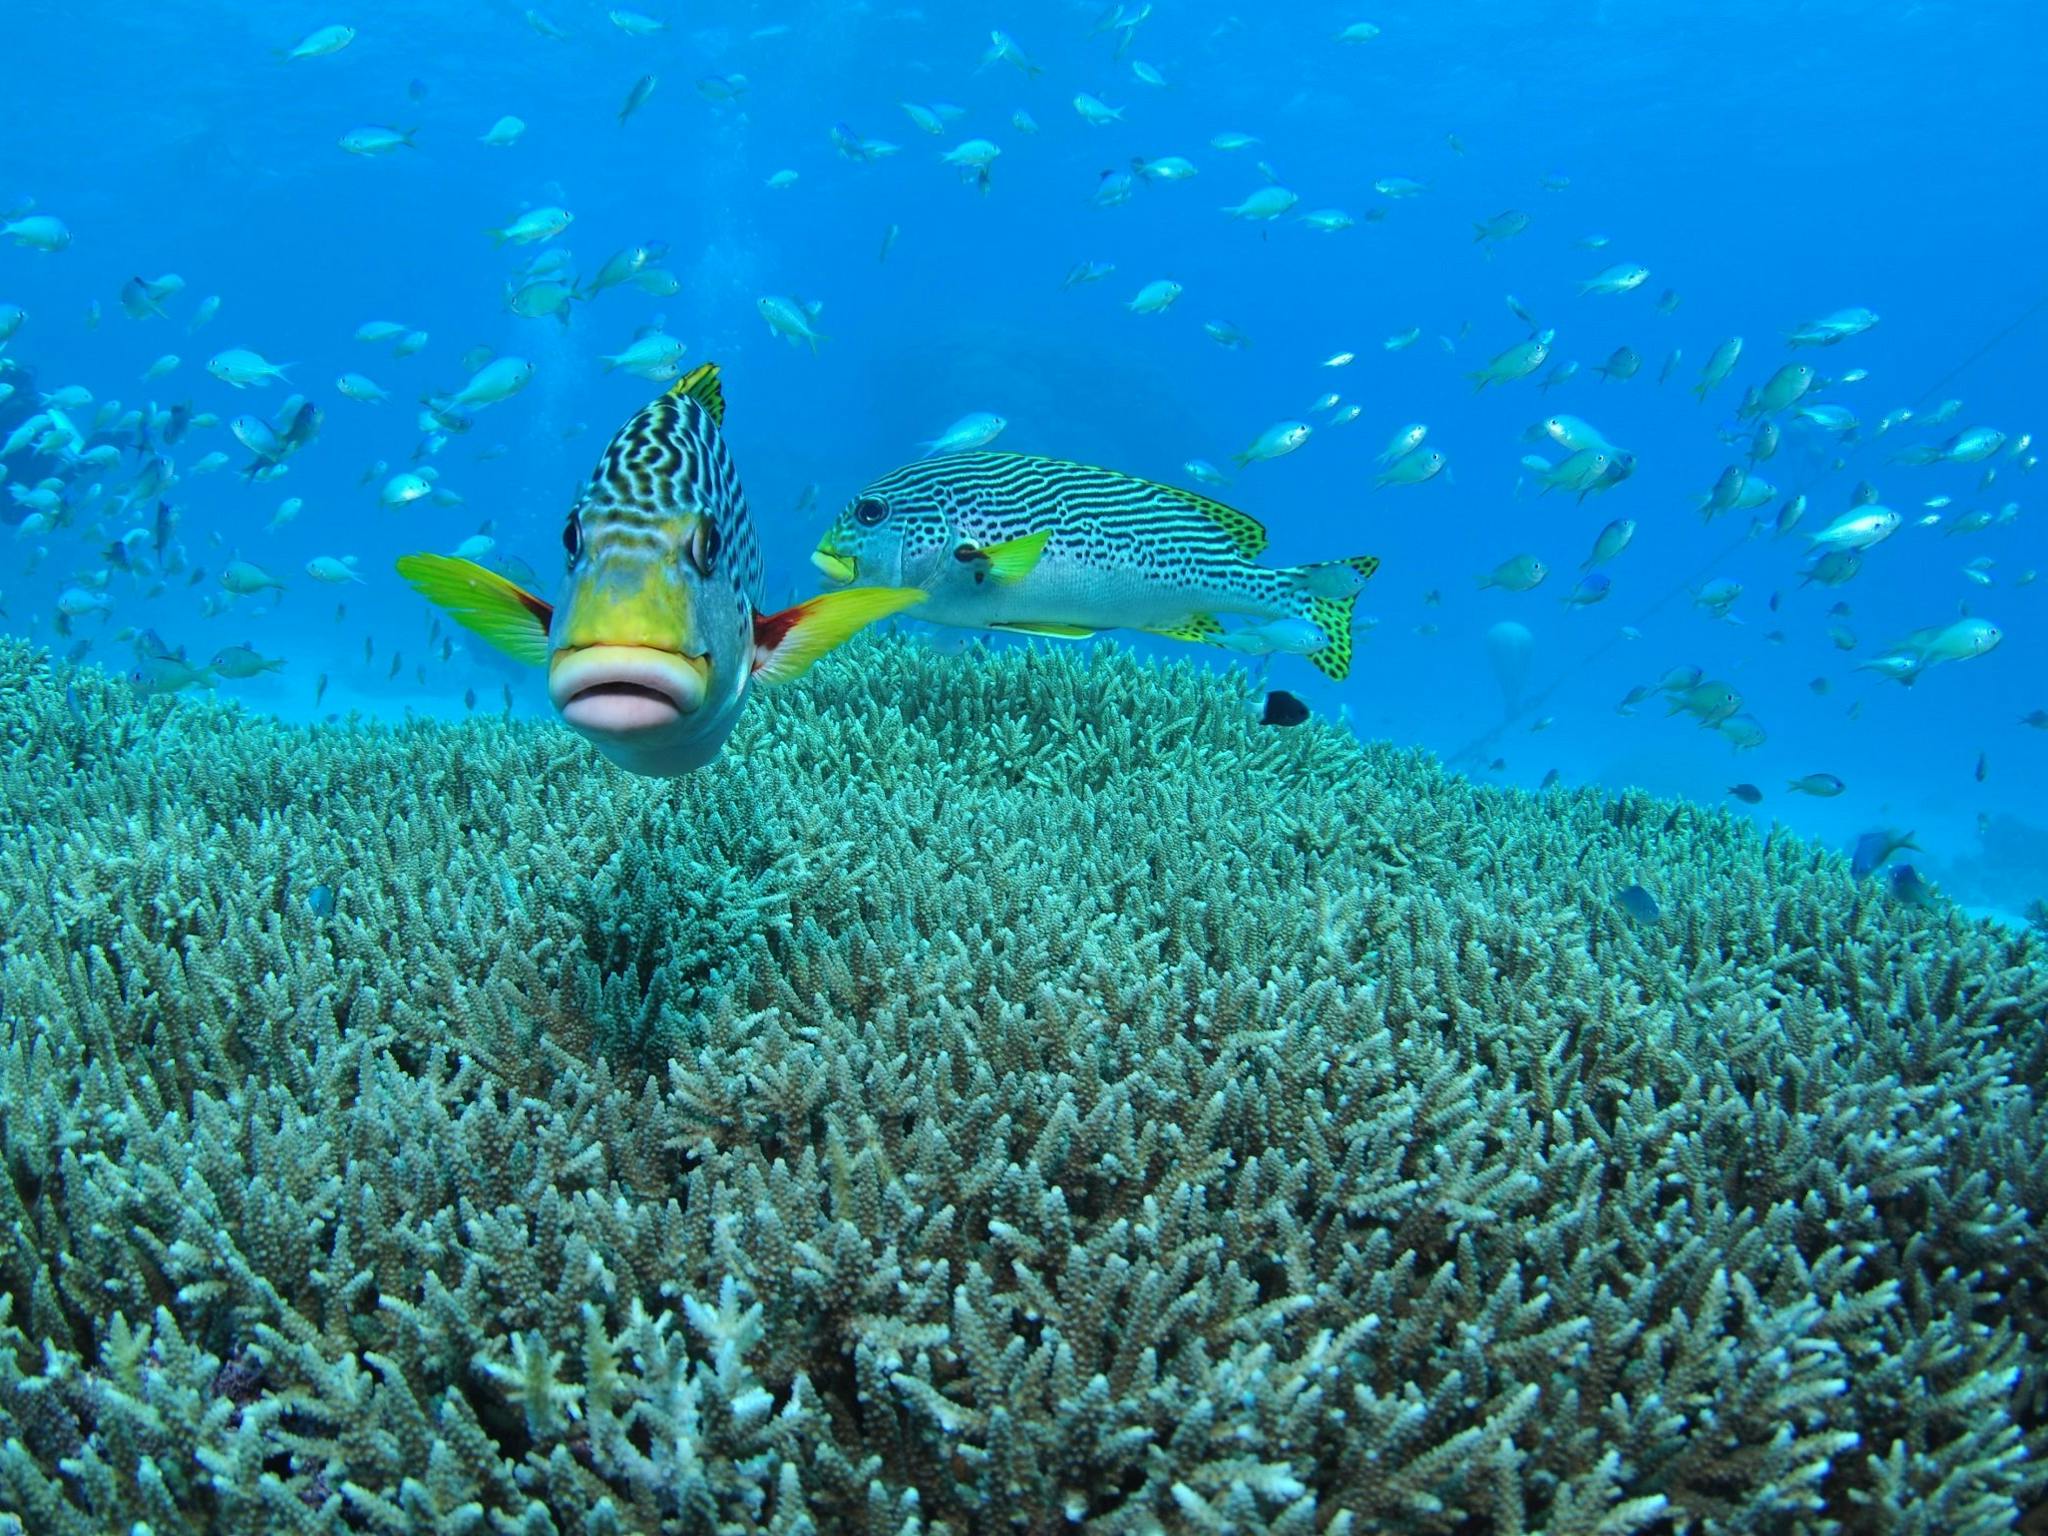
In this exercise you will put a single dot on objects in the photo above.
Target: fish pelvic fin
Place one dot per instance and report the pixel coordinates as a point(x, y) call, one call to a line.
point(483, 602)
point(1047, 629)
point(1329, 593)
point(786, 643)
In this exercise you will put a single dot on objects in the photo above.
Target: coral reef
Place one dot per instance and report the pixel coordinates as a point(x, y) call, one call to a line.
point(1004, 1093)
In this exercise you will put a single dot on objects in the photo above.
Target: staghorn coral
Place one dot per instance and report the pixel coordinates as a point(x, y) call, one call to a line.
point(1001, 1094)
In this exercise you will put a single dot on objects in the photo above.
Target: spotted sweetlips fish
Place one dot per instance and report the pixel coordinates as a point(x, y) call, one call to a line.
point(659, 634)
point(1012, 541)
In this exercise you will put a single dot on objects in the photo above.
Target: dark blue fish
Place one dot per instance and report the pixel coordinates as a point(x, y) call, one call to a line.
point(320, 901)
point(1550, 780)
point(1283, 708)
point(1593, 587)
point(1638, 905)
point(1905, 884)
point(299, 425)
point(1874, 850)
point(1748, 794)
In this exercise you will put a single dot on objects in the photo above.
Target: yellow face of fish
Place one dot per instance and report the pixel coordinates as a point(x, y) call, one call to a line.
point(649, 649)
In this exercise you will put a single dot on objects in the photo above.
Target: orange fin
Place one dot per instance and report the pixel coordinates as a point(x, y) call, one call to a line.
point(483, 602)
point(786, 643)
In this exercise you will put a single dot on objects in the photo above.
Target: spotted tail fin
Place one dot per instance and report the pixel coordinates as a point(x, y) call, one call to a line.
point(1328, 593)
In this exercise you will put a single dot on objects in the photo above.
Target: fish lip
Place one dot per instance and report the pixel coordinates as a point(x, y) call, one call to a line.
point(626, 690)
point(840, 568)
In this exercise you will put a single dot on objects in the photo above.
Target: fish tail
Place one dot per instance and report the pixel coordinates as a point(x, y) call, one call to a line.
point(1328, 593)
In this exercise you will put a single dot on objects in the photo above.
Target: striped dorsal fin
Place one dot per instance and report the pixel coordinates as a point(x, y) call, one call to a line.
point(1242, 529)
point(701, 385)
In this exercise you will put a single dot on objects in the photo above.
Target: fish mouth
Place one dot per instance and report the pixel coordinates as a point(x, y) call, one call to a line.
point(626, 690)
point(837, 567)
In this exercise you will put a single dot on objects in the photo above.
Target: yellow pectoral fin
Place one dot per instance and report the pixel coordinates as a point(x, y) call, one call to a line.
point(482, 601)
point(1050, 631)
point(786, 643)
point(1013, 559)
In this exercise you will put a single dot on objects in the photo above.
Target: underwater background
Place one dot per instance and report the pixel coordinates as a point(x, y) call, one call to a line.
point(1013, 1088)
point(1769, 167)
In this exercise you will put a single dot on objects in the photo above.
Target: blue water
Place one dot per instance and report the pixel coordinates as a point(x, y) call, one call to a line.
point(1768, 163)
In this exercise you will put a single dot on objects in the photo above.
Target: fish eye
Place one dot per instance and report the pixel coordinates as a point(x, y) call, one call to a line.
point(870, 510)
point(703, 546)
point(572, 536)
